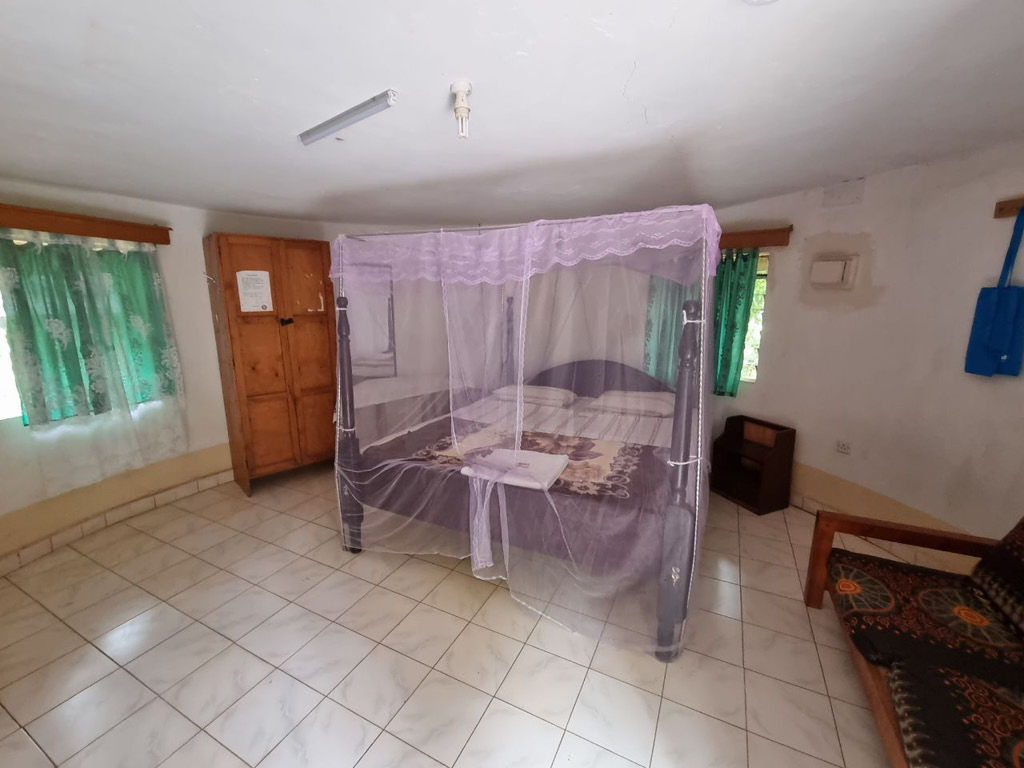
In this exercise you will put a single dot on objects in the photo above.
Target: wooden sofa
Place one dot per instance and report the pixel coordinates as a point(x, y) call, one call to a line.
point(911, 630)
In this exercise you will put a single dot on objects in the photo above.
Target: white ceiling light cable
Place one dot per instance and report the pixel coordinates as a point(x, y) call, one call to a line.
point(368, 108)
point(461, 90)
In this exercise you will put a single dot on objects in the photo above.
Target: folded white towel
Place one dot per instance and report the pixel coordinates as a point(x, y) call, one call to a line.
point(525, 469)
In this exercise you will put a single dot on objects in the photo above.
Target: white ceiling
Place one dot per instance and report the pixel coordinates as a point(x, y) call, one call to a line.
point(579, 106)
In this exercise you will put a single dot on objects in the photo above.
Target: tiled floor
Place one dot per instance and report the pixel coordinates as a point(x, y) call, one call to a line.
point(222, 631)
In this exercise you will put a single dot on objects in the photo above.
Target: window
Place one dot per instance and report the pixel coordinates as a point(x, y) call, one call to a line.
point(752, 342)
point(10, 404)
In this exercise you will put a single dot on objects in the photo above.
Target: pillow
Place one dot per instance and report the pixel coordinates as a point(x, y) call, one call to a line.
point(635, 403)
point(537, 395)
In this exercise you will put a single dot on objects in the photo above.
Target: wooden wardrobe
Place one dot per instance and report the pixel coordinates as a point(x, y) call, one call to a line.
point(273, 314)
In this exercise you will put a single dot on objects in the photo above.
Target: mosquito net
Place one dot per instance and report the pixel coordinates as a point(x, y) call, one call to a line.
point(496, 407)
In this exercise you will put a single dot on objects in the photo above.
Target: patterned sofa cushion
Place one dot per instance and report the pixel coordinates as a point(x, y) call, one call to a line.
point(894, 611)
point(949, 719)
point(1000, 575)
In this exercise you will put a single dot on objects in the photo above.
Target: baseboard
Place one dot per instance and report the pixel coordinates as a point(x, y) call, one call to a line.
point(67, 516)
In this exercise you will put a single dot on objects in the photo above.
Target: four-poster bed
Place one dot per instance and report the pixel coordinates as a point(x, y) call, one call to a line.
point(620, 524)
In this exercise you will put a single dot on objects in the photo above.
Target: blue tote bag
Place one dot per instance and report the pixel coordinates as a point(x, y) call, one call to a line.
point(996, 347)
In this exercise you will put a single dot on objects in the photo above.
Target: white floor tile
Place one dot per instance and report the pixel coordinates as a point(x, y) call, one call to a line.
point(616, 716)
point(254, 724)
point(425, 634)
point(506, 737)
point(389, 752)
point(283, 634)
point(714, 635)
point(248, 517)
point(36, 651)
point(79, 596)
point(231, 550)
point(377, 613)
point(374, 566)
point(22, 616)
point(503, 613)
point(575, 752)
point(55, 683)
point(439, 717)
point(570, 595)
point(480, 657)
point(219, 683)
point(178, 578)
point(554, 637)
point(7, 724)
point(544, 685)
point(204, 538)
point(262, 563)
point(716, 565)
point(415, 578)
point(686, 737)
point(460, 595)
point(275, 528)
point(329, 737)
point(19, 751)
point(305, 538)
point(721, 540)
point(334, 595)
point(326, 659)
point(768, 550)
point(177, 656)
point(769, 577)
point(331, 553)
point(79, 721)
point(775, 612)
point(209, 594)
point(783, 657)
point(138, 635)
point(144, 740)
point(792, 716)
point(770, 526)
point(858, 734)
point(707, 685)
point(379, 686)
point(626, 656)
point(721, 597)
point(841, 677)
point(296, 578)
point(763, 753)
point(244, 613)
point(202, 751)
point(151, 563)
point(112, 612)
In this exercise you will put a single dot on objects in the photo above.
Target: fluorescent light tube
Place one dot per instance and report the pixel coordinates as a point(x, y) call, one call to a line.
point(368, 108)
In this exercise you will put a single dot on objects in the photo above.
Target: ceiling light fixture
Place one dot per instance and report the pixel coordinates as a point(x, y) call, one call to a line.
point(368, 108)
point(461, 90)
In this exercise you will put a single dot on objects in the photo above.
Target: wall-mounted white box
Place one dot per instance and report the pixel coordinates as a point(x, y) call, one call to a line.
point(834, 271)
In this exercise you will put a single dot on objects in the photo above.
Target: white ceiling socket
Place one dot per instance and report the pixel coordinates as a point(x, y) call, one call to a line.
point(461, 90)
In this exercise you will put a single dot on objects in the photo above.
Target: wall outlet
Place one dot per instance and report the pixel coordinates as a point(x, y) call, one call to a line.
point(844, 446)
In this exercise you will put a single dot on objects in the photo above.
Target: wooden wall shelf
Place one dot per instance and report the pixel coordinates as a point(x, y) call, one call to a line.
point(1006, 209)
point(58, 223)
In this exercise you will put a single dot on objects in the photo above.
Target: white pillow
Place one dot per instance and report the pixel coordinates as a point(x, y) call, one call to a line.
point(537, 395)
point(635, 403)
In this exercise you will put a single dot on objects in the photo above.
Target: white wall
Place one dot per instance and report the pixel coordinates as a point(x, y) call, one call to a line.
point(183, 270)
point(882, 366)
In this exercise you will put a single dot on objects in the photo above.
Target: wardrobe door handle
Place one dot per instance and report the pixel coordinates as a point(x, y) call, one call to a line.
point(286, 320)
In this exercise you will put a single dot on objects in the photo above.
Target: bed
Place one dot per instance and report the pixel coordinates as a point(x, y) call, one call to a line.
point(617, 473)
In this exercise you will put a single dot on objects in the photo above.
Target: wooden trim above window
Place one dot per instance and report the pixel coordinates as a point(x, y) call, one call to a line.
point(41, 220)
point(757, 238)
point(1006, 209)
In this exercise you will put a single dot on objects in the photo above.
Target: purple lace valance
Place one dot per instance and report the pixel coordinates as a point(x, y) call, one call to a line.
point(667, 242)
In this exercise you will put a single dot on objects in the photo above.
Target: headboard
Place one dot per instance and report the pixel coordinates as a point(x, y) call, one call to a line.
point(592, 378)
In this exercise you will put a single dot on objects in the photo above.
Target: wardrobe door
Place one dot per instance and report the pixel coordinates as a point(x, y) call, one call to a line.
point(254, 300)
point(309, 304)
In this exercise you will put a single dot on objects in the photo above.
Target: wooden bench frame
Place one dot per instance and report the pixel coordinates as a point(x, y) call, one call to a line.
point(872, 677)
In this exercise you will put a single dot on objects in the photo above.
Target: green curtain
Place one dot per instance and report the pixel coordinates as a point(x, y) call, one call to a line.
point(87, 326)
point(664, 325)
point(734, 292)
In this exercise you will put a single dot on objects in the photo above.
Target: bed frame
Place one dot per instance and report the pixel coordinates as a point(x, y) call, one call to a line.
point(586, 378)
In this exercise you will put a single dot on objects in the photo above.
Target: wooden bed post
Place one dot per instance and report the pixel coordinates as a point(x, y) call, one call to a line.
point(677, 554)
point(348, 444)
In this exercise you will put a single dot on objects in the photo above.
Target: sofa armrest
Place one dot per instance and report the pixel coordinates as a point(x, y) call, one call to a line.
point(828, 524)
